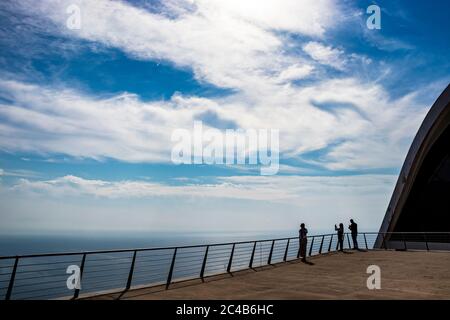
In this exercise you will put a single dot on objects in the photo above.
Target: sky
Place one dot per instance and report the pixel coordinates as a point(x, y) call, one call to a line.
point(87, 113)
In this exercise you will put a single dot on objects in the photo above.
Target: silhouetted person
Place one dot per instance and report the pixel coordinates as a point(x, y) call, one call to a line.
point(354, 229)
point(302, 235)
point(340, 235)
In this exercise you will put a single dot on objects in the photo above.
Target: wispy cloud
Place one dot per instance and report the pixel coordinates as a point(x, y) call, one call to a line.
point(325, 54)
point(288, 189)
point(295, 72)
point(226, 43)
point(229, 203)
point(20, 173)
point(64, 121)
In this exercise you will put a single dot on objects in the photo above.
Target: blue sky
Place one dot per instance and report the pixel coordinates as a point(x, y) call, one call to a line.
point(86, 115)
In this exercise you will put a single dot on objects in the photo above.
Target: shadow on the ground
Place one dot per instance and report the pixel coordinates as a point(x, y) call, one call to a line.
point(134, 293)
point(194, 282)
point(345, 251)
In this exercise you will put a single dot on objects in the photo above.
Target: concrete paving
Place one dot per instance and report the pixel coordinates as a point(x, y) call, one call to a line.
point(404, 275)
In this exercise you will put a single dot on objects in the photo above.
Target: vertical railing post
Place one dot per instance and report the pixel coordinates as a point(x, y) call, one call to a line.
point(250, 264)
point(11, 280)
point(286, 250)
point(331, 241)
point(365, 241)
point(311, 247)
point(404, 242)
point(172, 265)
point(77, 290)
point(130, 274)
point(202, 272)
point(269, 261)
point(348, 240)
point(426, 241)
point(230, 262)
point(384, 241)
point(321, 245)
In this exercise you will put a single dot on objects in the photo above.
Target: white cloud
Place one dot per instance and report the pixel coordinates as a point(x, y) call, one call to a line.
point(306, 17)
point(372, 129)
point(45, 120)
point(225, 44)
point(228, 43)
point(292, 189)
point(19, 173)
point(325, 54)
point(295, 72)
point(259, 203)
point(232, 188)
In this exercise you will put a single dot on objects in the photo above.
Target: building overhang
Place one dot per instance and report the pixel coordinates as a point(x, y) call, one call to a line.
point(421, 197)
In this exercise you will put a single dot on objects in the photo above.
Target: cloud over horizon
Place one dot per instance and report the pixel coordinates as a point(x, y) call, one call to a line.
point(283, 200)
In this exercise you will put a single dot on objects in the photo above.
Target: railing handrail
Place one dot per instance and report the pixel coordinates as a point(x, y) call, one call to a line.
point(73, 253)
point(405, 232)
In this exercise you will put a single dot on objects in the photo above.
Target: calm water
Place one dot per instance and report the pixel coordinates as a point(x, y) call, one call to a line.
point(30, 244)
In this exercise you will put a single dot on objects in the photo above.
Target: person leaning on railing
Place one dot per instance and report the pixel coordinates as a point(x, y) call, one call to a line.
point(302, 236)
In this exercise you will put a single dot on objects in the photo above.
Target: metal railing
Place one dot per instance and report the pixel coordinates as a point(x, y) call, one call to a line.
point(44, 276)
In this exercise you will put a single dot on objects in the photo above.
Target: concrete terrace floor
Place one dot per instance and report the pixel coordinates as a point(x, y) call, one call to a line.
point(404, 275)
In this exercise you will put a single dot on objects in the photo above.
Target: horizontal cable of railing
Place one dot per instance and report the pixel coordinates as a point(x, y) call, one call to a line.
point(46, 276)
